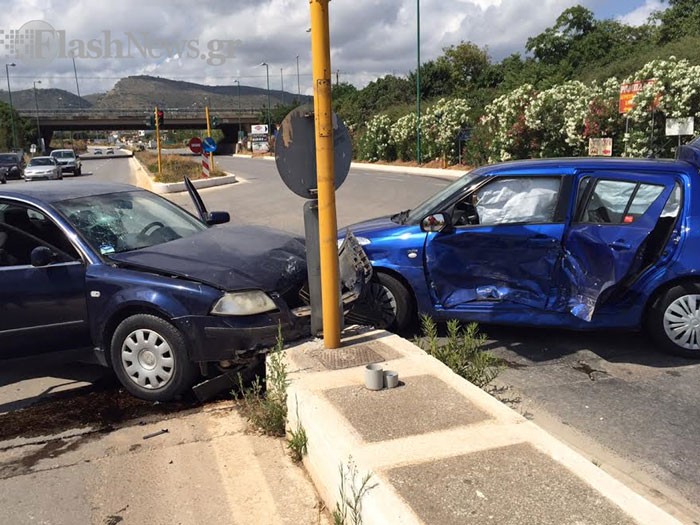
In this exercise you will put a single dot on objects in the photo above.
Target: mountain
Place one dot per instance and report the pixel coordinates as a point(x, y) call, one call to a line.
point(45, 99)
point(142, 92)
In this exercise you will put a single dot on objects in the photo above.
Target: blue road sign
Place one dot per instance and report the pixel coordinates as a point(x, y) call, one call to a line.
point(209, 145)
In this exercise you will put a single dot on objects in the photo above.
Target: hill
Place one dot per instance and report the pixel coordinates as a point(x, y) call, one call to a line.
point(140, 92)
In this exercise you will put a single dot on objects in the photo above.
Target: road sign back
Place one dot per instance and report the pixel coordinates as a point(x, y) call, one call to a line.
point(295, 151)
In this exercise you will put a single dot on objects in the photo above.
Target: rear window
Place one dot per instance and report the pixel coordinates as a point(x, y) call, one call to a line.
point(619, 202)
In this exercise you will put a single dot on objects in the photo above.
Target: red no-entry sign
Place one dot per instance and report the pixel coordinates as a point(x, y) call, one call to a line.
point(195, 145)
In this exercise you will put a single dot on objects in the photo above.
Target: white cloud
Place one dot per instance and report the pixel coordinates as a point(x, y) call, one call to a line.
point(641, 14)
point(370, 38)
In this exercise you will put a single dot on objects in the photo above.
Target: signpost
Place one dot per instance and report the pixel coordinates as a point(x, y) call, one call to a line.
point(208, 148)
point(296, 163)
point(259, 136)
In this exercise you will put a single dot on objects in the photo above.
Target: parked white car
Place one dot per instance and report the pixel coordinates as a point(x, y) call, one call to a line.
point(46, 168)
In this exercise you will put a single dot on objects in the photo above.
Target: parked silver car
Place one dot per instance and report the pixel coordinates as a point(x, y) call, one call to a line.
point(46, 168)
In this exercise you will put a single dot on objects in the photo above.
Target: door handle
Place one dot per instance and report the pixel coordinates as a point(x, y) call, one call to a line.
point(619, 245)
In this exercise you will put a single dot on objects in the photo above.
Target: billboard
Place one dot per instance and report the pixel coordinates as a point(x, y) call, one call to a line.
point(628, 91)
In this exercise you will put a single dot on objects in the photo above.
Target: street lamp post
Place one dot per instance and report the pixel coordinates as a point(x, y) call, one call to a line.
point(40, 142)
point(418, 149)
point(12, 109)
point(282, 83)
point(240, 134)
point(298, 83)
point(267, 71)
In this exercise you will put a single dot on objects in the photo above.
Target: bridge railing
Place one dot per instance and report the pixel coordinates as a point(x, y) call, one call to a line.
point(87, 113)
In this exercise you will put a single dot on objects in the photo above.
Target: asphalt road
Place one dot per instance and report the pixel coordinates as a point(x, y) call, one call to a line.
point(630, 409)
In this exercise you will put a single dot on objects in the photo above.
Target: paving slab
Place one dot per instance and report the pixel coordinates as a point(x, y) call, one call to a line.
point(421, 404)
point(469, 489)
point(438, 449)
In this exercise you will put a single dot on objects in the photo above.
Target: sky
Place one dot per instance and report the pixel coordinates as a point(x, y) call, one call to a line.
point(219, 41)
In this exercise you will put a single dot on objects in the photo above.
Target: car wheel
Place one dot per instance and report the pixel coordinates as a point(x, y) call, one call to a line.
point(386, 303)
point(78, 172)
point(674, 320)
point(149, 356)
point(3, 179)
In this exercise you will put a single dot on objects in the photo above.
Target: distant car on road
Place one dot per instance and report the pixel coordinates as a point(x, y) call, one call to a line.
point(14, 164)
point(97, 151)
point(584, 243)
point(110, 151)
point(68, 160)
point(46, 168)
point(160, 296)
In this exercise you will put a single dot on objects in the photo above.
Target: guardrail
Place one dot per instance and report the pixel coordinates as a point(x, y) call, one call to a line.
point(139, 113)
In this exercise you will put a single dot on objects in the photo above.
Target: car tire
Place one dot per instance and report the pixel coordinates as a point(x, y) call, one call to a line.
point(3, 179)
point(674, 320)
point(386, 303)
point(78, 172)
point(149, 356)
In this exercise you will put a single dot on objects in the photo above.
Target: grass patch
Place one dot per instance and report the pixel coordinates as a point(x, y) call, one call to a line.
point(174, 167)
point(265, 407)
point(462, 350)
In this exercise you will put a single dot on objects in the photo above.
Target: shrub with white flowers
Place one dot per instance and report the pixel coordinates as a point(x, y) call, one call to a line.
point(440, 127)
point(403, 136)
point(675, 93)
point(376, 144)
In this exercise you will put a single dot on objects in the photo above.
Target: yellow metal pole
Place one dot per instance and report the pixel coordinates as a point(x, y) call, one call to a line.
point(328, 226)
point(211, 155)
point(155, 117)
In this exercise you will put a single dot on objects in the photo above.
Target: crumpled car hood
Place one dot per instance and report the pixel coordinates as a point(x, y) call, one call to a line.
point(230, 257)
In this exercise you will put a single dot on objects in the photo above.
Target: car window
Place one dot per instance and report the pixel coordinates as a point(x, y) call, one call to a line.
point(619, 202)
point(125, 221)
point(514, 200)
point(23, 228)
point(44, 161)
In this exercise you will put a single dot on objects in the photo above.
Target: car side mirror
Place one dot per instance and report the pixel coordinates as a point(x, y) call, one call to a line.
point(436, 222)
point(41, 256)
point(218, 217)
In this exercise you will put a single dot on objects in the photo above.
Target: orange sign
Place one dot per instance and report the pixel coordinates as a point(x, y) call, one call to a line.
point(628, 91)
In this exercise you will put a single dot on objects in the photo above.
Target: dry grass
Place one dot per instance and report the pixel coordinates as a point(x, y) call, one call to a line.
point(174, 167)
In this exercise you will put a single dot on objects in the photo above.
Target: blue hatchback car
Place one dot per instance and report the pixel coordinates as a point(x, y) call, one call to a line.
point(583, 243)
point(159, 295)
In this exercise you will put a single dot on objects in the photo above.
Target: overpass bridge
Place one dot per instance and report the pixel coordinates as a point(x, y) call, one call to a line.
point(230, 120)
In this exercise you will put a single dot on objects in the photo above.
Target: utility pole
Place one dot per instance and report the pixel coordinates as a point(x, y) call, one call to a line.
point(298, 82)
point(155, 118)
point(12, 108)
point(39, 140)
point(282, 83)
point(328, 224)
point(418, 148)
point(77, 86)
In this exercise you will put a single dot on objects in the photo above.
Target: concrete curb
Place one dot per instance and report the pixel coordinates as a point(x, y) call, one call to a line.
point(144, 180)
point(433, 172)
point(333, 438)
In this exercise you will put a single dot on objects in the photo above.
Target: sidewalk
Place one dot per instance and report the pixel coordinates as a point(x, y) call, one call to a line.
point(388, 168)
point(439, 449)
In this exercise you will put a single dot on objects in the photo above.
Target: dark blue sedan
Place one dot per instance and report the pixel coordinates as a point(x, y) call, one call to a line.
point(579, 243)
point(157, 294)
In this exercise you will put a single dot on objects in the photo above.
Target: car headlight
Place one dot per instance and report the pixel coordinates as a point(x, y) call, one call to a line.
point(362, 241)
point(244, 303)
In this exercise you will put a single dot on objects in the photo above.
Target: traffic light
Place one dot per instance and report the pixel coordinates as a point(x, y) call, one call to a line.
point(160, 117)
point(215, 122)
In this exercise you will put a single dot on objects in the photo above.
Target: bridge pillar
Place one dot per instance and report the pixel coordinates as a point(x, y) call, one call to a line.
point(227, 145)
point(47, 135)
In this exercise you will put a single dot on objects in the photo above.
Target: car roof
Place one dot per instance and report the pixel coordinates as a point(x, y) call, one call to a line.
point(570, 164)
point(52, 192)
point(64, 149)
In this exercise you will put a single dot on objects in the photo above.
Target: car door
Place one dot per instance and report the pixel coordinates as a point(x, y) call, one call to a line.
point(42, 309)
point(503, 248)
point(615, 215)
